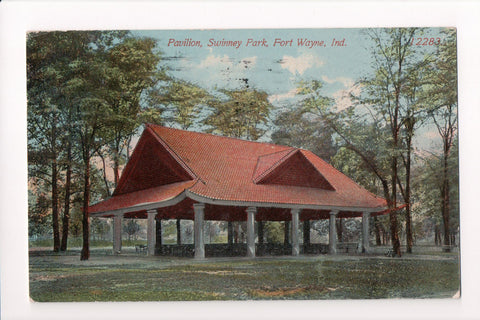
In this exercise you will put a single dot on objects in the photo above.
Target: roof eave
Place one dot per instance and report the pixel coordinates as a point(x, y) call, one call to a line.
point(222, 202)
point(142, 207)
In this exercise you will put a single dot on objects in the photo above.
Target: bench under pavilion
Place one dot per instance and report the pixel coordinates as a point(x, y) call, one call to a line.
point(178, 174)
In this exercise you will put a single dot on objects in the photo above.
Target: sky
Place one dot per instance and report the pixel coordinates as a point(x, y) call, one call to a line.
point(274, 61)
point(274, 69)
point(268, 66)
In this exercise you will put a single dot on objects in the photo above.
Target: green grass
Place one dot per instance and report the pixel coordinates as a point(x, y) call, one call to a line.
point(163, 279)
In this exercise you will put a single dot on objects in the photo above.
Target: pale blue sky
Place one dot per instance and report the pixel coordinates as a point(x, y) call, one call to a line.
point(273, 69)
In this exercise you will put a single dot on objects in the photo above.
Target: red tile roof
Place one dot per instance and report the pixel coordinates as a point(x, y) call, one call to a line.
point(233, 171)
point(141, 197)
point(293, 170)
point(267, 162)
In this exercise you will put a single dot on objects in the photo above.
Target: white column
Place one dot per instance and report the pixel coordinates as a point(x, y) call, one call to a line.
point(198, 209)
point(117, 233)
point(365, 232)
point(251, 211)
point(295, 224)
point(151, 236)
point(332, 234)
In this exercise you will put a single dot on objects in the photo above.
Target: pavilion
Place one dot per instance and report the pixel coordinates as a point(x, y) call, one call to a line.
point(177, 174)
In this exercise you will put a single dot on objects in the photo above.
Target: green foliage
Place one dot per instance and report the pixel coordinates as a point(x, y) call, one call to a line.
point(274, 231)
point(296, 127)
point(178, 101)
point(410, 86)
point(131, 228)
point(76, 221)
point(38, 214)
point(100, 228)
point(130, 69)
point(84, 90)
point(428, 191)
point(440, 96)
point(243, 114)
point(350, 163)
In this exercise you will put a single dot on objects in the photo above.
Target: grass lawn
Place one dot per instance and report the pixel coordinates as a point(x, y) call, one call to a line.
point(130, 277)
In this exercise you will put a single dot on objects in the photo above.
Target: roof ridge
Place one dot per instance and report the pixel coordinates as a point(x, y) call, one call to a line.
point(218, 136)
point(270, 154)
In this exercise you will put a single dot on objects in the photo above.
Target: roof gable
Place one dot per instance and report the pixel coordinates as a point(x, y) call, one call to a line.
point(268, 161)
point(152, 164)
point(291, 168)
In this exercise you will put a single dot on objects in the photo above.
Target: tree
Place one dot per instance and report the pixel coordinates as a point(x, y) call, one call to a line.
point(100, 227)
point(49, 58)
point(372, 127)
point(296, 128)
point(428, 192)
point(130, 69)
point(179, 102)
point(84, 87)
point(131, 228)
point(351, 164)
point(393, 91)
point(38, 208)
point(243, 114)
point(441, 95)
point(274, 231)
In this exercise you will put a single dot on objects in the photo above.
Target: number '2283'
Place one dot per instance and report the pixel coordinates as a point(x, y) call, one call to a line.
point(425, 41)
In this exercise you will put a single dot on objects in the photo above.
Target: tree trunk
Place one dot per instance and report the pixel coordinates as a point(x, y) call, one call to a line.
point(260, 232)
point(408, 226)
point(393, 204)
point(116, 169)
point(158, 236)
point(85, 255)
point(66, 210)
point(339, 227)
point(446, 201)
point(376, 224)
point(408, 215)
point(306, 232)
point(395, 127)
point(179, 232)
point(286, 239)
point(236, 233)
point(55, 226)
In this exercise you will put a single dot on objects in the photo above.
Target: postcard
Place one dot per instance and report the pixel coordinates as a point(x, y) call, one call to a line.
point(241, 164)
